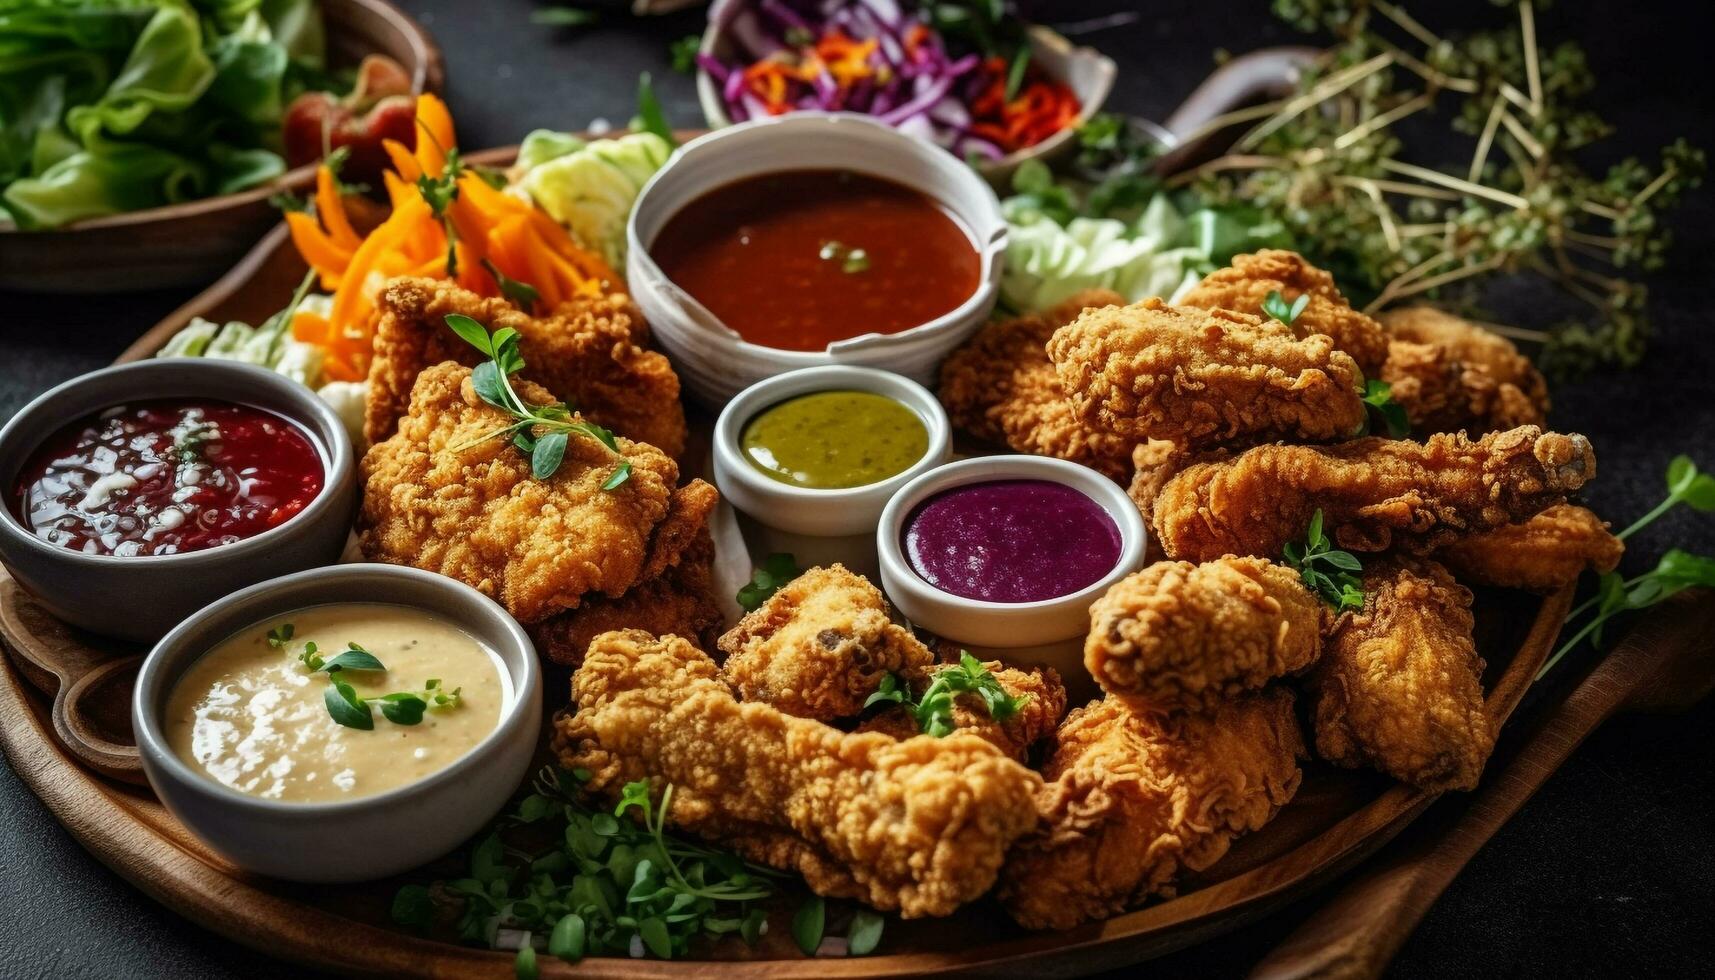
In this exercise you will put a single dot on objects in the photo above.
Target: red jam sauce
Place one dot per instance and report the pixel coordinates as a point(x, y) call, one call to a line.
point(167, 477)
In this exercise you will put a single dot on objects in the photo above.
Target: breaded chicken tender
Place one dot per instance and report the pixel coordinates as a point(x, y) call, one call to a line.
point(1543, 554)
point(1132, 802)
point(1399, 686)
point(680, 601)
point(1181, 637)
point(1375, 494)
point(1441, 394)
point(919, 827)
point(1036, 719)
point(1520, 392)
point(588, 352)
point(478, 515)
point(1001, 388)
point(1244, 285)
point(819, 647)
point(1203, 378)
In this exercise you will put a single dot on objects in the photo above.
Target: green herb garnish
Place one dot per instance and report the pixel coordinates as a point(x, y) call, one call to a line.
point(1378, 400)
point(522, 294)
point(1677, 570)
point(933, 712)
point(683, 53)
point(492, 380)
point(564, 17)
point(439, 191)
point(776, 570)
point(1326, 571)
point(599, 884)
point(280, 635)
point(808, 924)
point(1276, 306)
point(351, 709)
point(851, 260)
point(864, 934)
point(651, 118)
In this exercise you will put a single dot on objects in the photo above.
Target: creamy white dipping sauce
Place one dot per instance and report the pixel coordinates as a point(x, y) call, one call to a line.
point(253, 717)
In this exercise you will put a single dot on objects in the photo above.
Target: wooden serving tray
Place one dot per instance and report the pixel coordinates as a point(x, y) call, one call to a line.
point(64, 725)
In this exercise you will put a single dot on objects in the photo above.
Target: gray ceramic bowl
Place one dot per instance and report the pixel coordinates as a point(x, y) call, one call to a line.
point(361, 839)
point(140, 598)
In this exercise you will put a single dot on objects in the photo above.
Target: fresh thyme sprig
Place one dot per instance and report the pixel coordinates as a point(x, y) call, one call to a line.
point(1326, 571)
point(539, 431)
point(933, 712)
point(1676, 571)
point(775, 571)
point(1276, 306)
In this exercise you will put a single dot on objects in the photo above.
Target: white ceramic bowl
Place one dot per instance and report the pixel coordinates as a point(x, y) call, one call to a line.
point(819, 527)
point(712, 360)
point(1088, 72)
point(349, 840)
point(1049, 631)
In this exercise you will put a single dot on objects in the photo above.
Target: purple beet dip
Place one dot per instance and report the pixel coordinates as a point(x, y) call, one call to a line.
point(1011, 541)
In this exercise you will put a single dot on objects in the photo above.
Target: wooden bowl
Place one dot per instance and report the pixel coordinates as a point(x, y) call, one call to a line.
point(189, 243)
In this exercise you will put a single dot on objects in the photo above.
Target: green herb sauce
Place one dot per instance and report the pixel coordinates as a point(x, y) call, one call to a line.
point(832, 440)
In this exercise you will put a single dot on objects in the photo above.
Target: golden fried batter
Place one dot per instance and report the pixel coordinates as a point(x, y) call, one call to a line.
point(1133, 801)
point(1399, 687)
point(680, 602)
point(1520, 392)
point(1001, 388)
point(1374, 493)
point(1543, 554)
point(1203, 378)
point(1037, 719)
point(1244, 285)
point(587, 352)
point(919, 826)
point(477, 514)
point(819, 647)
point(1441, 394)
point(1182, 637)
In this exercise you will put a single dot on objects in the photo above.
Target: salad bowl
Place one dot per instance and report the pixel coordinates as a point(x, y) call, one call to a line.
point(193, 241)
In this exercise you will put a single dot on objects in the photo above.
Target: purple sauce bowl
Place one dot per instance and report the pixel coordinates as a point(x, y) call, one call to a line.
point(1046, 631)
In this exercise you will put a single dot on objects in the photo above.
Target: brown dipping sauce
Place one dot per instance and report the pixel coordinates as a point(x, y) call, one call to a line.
point(799, 259)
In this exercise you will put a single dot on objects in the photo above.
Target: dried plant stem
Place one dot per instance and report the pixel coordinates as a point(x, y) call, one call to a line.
point(1319, 93)
point(1453, 183)
point(1384, 120)
point(1486, 140)
point(1532, 70)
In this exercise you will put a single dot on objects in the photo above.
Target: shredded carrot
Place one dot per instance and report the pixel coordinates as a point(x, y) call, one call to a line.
point(486, 226)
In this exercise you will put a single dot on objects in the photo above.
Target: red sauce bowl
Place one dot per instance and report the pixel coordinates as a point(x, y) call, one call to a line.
point(141, 596)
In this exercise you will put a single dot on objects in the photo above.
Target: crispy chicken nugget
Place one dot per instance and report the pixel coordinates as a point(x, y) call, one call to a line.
point(439, 497)
point(919, 827)
point(1036, 719)
point(1203, 378)
point(1374, 493)
point(1244, 285)
point(1399, 687)
point(1520, 391)
point(1001, 388)
point(1543, 554)
point(819, 647)
point(1441, 394)
point(587, 351)
point(1182, 637)
point(1133, 801)
point(680, 601)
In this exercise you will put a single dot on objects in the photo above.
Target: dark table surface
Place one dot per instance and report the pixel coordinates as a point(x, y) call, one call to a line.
point(1609, 871)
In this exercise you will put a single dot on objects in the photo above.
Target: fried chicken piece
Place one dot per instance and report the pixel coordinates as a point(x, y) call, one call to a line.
point(680, 601)
point(1543, 554)
point(1036, 719)
point(1399, 686)
point(1374, 493)
point(819, 647)
point(1203, 378)
point(1521, 395)
point(1001, 388)
point(919, 827)
point(1441, 394)
point(587, 351)
point(1181, 637)
point(1134, 801)
point(1244, 285)
point(477, 514)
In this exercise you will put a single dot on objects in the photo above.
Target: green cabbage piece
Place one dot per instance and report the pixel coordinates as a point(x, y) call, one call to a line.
point(117, 105)
point(1046, 262)
point(591, 190)
point(542, 145)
